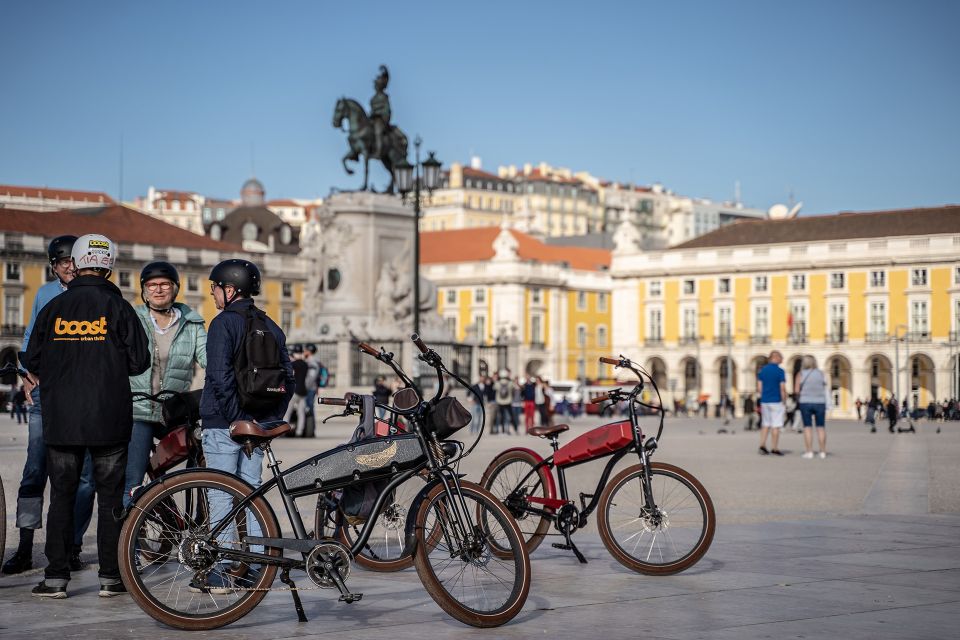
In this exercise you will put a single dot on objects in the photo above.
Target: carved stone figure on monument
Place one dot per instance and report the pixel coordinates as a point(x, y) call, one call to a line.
point(505, 246)
point(626, 237)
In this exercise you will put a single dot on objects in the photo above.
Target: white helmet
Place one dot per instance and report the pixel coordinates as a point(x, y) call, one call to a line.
point(94, 251)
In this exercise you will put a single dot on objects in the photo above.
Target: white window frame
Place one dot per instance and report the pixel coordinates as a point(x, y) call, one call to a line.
point(924, 327)
point(602, 335)
point(873, 328)
point(757, 281)
point(658, 313)
point(451, 296)
point(8, 319)
point(690, 312)
point(655, 290)
point(833, 320)
point(17, 270)
point(834, 275)
point(882, 277)
point(919, 277)
point(581, 300)
point(602, 301)
point(581, 335)
point(480, 295)
point(755, 325)
point(720, 286)
point(802, 279)
point(720, 312)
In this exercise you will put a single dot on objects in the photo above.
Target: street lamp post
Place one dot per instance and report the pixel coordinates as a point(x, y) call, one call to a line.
point(408, 178)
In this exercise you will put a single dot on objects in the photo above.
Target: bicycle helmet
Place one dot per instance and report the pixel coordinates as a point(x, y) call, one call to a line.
point(94, 251)
point(243, 275)
point(159, 270)
point(60, 248)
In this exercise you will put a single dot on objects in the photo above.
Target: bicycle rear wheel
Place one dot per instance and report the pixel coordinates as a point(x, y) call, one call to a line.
point(460, 571)
point(667, 539)
point(191, 588)
point(504, 478)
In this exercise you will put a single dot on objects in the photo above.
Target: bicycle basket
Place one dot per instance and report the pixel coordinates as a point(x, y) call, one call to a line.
point(447, 417)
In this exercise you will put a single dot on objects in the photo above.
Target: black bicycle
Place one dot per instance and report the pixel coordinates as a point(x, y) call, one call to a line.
point(229, 552)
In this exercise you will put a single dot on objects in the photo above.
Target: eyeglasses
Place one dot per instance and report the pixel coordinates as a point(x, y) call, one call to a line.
point(158, 286)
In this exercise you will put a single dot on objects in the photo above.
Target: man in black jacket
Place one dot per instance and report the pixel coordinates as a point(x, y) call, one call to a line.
point(86, 343)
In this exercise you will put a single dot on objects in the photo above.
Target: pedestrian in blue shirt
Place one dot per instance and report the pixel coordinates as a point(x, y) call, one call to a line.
point(771, 383)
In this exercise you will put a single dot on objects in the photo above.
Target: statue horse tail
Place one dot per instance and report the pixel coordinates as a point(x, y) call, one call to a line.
point(399, 141)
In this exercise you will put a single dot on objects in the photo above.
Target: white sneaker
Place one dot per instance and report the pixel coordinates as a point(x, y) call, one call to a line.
point(823, 455)
point(808, 455)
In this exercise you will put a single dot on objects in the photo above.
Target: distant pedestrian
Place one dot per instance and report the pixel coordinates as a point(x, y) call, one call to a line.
point(893, 412)
point(504, 399)
point(18, 406)
point(811, 389)
point(771, 383)
point(859, 406)
point(529, 395)
point(750, 412)
point(873, 407)
point(381, 394)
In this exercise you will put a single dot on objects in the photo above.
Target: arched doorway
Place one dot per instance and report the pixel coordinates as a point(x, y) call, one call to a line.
point(881, 377)
point(792, 368)
point(756, 363)
point(839, 379)
point(727, 371)
point(923, 389)
point(658, 371)
point(691, 379)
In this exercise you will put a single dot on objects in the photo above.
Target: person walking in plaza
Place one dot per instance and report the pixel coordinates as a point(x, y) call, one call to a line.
point(529, 395)
point(34, 478)
point(177, 340)
point(771, 384)
point(873, 407)
point(750, 412)
point(504, 398)
point(893, 412)
point(85, 345)
point(859, 406)
point(226, 399)
point(542, 401)
point(381, 394)
point(18, 405)
point(477, 405)
point(299, 402)
point(312, 379)
point(811, 389)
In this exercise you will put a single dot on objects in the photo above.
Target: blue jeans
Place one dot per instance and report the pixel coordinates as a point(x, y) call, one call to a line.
point(65, 464)
point(811, 410)
point(138, 456)
point(222, 453)
point(34, 481)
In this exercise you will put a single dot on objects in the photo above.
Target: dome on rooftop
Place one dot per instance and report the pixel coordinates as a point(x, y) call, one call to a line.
point(252, 194)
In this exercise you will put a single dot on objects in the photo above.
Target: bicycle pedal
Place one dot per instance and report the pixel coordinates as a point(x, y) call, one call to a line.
point(560, 545)
point(351, 597)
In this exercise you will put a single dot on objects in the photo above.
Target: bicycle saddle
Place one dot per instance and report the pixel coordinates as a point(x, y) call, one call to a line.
point(544, 432)
point(248, 429)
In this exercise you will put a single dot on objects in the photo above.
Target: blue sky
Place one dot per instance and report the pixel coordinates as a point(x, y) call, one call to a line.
point(851, 105)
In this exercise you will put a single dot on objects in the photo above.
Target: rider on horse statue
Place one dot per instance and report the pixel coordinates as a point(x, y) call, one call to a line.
point(380, 111)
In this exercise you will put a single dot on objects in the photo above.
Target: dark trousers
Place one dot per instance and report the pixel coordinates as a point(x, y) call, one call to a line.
point(505, 413)
point(64, 465)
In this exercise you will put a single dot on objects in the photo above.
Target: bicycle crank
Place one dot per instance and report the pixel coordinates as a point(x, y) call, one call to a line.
point(328, 565)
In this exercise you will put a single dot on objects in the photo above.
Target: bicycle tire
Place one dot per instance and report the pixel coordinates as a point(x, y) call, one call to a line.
point(3, 520)
point(386, 549)
point(680, 532)
point(502, 477)
point(464, 594)
point(140, 585)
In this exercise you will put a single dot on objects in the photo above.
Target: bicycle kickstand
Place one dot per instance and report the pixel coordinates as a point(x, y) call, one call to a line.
point(287, 580)
point(570, 546)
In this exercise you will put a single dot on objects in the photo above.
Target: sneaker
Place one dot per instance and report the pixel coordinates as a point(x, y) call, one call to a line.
point(42, 590)
point(823, 455)
point(763, 451)
point(18, 563)
point(111, 590)
point(776, 452)
point(808, 455)
point(76, 564)
point(215, 583)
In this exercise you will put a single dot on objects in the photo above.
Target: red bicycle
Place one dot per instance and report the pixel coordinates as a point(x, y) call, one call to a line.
point(654, 518)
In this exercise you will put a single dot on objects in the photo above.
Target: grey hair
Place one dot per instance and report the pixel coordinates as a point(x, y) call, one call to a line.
point(809, 362)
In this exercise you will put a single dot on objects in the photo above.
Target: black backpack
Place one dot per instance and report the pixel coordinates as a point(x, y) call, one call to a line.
point(261, 377)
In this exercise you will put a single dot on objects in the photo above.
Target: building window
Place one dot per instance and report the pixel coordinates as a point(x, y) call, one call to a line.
point(602, 302)
point(760, 284)
point(837, 280)
point(838, 322)
point(451, 296)
point(689, 287)
point(878, 320)
point(581, 300)
point(249, 231)
point(761, 321)
point(878, 279)
point(919, 277)
point(480, 322)
point(919, 321)
point(451, 322)
point(581, 336)
point(655, 325)
point(601, 336)
point(536, 297)
point(479, 296)
point(12, 314)
point(724, 327)
point(798, 282)
point(193, 284)
point(723, 285)
point(536, 330)
point(13, 271)
point(286, 320)
point(956, 275)
point(124, 279)
point(797, 320)
point(286, 289)
point(656, 287)
point(690, 324)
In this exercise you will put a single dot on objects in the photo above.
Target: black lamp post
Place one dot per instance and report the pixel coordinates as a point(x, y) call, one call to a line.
point(409, 179)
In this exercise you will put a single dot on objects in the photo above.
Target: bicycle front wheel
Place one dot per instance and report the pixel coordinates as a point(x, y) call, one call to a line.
point(508, 477)
point(461, 571)
point(196, 587)
point(664, 539)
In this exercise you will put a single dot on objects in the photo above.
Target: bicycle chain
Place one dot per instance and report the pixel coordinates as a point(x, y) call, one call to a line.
point(312, 587)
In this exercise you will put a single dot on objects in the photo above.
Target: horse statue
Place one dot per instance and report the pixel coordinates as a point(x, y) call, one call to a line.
point(360, 136)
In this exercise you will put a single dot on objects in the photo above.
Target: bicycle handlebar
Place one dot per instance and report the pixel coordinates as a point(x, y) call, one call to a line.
point(363, 346)
point(420, 345)
point(603, 397)
point(339, 402)
point(614, 361)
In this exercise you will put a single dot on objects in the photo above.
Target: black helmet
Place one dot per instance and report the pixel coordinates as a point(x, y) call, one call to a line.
point(242, 274)
point(60, 247)
point(160, 270)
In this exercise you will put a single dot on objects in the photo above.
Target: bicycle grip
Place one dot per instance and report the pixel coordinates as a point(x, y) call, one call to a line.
point(613, 361)
point(603, 397)
point(417, 341)
point(340, 402)
point(363, 346)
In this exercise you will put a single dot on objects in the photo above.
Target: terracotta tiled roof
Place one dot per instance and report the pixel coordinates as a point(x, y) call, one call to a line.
point(118, 223)
point(839, 226)
point(536, 175)
point(479, 173)
point(476, 245)
point(283, 203)
point(54, 194)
